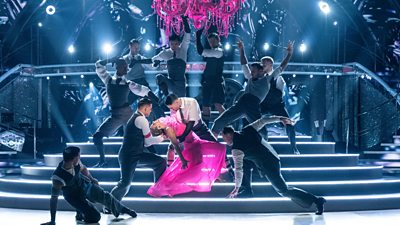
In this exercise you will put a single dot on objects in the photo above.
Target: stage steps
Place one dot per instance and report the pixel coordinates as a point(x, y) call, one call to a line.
point(340, 178)
point(387, 156)
point(280, 147)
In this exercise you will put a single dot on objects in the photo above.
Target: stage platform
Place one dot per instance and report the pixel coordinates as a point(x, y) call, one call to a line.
point(346, 184)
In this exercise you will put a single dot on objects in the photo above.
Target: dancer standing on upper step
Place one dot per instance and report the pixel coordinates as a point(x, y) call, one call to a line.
point(212, 81)
point(248, 105)
point(118, 89)
point(274, 103)
point(176, 58)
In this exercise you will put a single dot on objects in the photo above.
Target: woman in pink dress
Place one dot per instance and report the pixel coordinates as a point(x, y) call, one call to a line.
point(202, 162)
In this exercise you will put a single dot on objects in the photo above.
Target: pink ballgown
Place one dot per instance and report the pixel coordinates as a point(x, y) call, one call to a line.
point(206, 160)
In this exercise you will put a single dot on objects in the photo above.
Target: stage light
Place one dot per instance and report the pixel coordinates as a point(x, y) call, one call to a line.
point(324, 7)
point(82, 76)
point(107, 48)
point(294, 75)
point(71, 49)
point(237, 75)
point(65, 77)
point(335, 23)
point(303, 48)
point(311, 76)
point(40, 24)
point(327, 77)
point(147, 47)
point(266, 46)
point(227, 46)
point(50, 10)
point(48, 78)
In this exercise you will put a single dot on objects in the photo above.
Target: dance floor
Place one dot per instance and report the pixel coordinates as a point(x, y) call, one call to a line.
point(383, 217)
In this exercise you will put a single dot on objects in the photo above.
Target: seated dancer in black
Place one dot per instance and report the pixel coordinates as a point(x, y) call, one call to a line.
point(212, 81)
point(248, 144)
point(274, 104)
point(176, 57)
point(137, 136)
point(118, 89)
point(248, 105)
point(80, 189)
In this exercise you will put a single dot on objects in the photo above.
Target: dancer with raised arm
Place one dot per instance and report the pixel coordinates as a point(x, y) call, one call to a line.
point(249, 144)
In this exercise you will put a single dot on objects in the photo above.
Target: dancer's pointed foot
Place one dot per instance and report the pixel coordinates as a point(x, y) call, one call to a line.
point(296, 151)
point(320, 205)
point(245, 193)
point(130, 212)
point(100, 164)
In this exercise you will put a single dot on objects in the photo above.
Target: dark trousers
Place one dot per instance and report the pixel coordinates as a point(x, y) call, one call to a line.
point(82, 201)
point(269, 166)
point(279, 109)
point(119, 117)
point(247, 106)
point(178, 87)
point(128, 159)
point(203, 132)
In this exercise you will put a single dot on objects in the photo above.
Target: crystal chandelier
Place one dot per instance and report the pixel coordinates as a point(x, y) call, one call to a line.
point(203, 13)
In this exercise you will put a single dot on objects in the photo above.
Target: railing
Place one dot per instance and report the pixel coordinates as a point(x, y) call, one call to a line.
point(234, 70)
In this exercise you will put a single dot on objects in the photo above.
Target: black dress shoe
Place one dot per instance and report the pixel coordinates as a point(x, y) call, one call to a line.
point(79, 217)
point(245, 193)
point(320, 205)
point(100, 165)
point(128, 211)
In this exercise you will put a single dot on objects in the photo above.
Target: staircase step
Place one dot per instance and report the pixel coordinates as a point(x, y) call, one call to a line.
point(382, 155)
point(161, 148)
point(216, 205)
point(290, 174)
point(270, 138)
point(306, 160)
point(261, 189)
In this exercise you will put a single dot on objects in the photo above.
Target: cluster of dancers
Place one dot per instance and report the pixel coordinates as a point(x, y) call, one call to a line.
point(201, 158)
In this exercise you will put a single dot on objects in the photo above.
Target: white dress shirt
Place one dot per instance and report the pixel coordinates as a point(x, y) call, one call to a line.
point(180, 53)
point(190, 110)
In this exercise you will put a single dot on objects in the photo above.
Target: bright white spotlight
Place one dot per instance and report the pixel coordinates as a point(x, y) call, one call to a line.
point(50, 10)
point(107, 48)
point(65, 77)
point(324, 7)
point(303, 48)
point(82, 76)
point(40, 24)
point(266, 46)
point(335, 23)
point(227, 46)
point(147, 47)
point(311, 76)
point(327, 77)
point(294, 75)
point(71, 49)
point(48, 78)
point(91, 85)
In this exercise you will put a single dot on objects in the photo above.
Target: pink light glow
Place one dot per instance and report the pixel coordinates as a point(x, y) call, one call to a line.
point(204, 13)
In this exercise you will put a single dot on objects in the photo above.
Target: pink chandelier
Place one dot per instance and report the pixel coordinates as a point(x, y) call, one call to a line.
point(204, 13)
